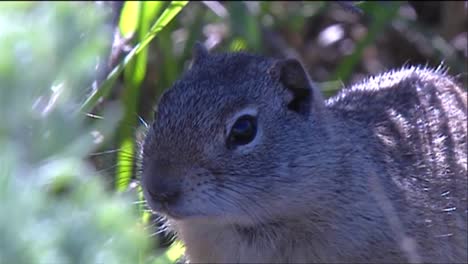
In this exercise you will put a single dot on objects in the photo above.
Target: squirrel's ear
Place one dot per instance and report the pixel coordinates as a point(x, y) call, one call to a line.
point(294, 77)
point(199, 52)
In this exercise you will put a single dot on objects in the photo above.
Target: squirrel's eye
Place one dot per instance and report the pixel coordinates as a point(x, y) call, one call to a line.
point(243, 131)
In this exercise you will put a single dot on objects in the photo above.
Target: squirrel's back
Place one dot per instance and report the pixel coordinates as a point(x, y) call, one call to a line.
point(415, 123)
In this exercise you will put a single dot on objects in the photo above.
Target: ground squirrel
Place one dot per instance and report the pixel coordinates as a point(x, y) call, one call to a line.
point(250, 164)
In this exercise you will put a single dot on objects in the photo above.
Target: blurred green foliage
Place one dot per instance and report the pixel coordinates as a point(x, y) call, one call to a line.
point(55, 207)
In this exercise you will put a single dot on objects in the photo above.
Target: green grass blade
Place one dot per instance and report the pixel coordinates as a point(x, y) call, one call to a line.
point(244, 23)
point(129, 18)
point(169, 13)
point(130, 22)
point(134, 75)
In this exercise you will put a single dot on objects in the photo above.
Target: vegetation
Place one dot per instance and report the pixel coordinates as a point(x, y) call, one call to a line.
point(55, 208)
point(77, 81)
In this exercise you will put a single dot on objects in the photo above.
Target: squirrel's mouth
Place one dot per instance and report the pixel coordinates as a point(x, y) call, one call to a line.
point(173, 213)
point(165, 208)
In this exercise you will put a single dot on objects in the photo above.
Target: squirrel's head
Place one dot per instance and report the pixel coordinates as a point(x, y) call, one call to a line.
point(226, 136)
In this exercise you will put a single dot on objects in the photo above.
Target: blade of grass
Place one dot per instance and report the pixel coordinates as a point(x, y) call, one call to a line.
point(130, 22)
point(129, 18)
point(134, 74)
point(169, 13)
point(244, 24)
point(170, 65)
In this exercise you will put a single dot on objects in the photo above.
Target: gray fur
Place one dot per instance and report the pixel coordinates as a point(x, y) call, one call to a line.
point(377, 173)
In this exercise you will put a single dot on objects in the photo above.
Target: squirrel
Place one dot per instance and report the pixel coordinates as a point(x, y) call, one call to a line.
point(248, 163)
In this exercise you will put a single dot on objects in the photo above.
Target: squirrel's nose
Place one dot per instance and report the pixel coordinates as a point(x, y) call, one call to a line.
point(163, 192)
point(161, 182)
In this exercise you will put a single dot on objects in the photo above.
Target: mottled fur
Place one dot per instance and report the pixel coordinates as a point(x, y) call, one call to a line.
point(377, 173)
